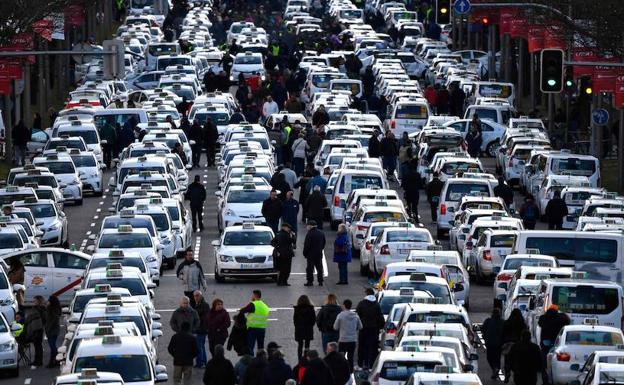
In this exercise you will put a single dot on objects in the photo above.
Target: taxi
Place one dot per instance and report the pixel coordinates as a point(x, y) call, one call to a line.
point(143, 163)
point(89, 374)
point(9, 360)
point(464, 220)
point(469, 362)
point(388, 298)
point(48, 192)
point(11, 240)
point(242, 204)
point(127, 199)
point(83, 296)
point(454, 190)
point(479, 226)
point(394, 244)
point(444, 378)
point(180, 221)
point(491, 249)
point(394, 368)
point(164, 227)
point(512, 262)
point(452, 330)
point(244, 251)
point(125, 258)
point(10, 194)
point(602, 356)
point(378, 211)
point(573, 346)
point(63, 168)
point(557, 182)
point(49, 219)
point(349, 180)
point(366, 243)
point(240, 181)
point(519, 296)
point(612, 373)
point(40, 178)
point(89, 171)
point(128, 356)
point(154, 179)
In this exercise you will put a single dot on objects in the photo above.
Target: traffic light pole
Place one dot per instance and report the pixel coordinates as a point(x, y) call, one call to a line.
point(620, 147)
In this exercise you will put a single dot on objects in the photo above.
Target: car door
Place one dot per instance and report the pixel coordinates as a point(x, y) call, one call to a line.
point(37, 276)
point(68, 270)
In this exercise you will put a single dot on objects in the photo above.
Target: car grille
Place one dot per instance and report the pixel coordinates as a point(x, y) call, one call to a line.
point(258, 259)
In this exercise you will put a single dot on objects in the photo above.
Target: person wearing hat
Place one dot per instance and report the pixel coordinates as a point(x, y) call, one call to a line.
point(313, 246)
point(551, 323)
point(283, 252)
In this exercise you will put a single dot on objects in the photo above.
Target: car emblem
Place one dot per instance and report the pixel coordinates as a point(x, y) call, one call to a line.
point(251, 216)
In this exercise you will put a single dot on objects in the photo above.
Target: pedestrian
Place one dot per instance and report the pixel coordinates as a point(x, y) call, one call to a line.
point(337, 364)
point(196, 194)
point(342, 254)
point(300, 148)
point(555, 211)
point(277, 371)
point(290, 176)
point(526, 361)
point(172, 124)
point(34, 326)
point(219, 370)
point(300, 368)
point(238, 336)
point(442, 101)
point(512, 330)
point(195, 134)
point(474, 141)
point(503, 191)
point(210, 135)
point(257, 314)
point(551, 324)
point(317, 180)
point(374, 145)
point(272, 210)
point(529, 212)
point(315, 205)
point(434, 189)
point(108, 134)
point(325, 320)
point(20, 136)
point(320, 117)
point(283, 244)
point(303, 191)
point(254, 375)
point(304, 319)
point(269, 107)
point(411, 183)
point(317, 372)
point(191, 272)
point(348, 324)
point(183, 106)
point(373, 321)
point(218, 322)
point(179, 150)
point(313, 247)
point(183, 349)
point(243, 362)
point(53, 327)
point(389, 151)
point(290, 211)
point(184, 313)
point(52, 115)
point(16, 273)
point(431, 96)
point(492, 330)
point(202, 308)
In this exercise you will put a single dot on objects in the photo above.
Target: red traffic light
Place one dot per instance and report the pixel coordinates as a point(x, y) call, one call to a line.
point(485, 20)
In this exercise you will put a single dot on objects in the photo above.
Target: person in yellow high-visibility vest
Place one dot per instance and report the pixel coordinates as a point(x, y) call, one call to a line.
point(257, 314)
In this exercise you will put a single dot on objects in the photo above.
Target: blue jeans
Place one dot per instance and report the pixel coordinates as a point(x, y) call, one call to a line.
point(274, 225)
point(342, 272)
point(201, 358)
point(327, 337)
point(255, 335)
point(53, 349)
point(298, 164)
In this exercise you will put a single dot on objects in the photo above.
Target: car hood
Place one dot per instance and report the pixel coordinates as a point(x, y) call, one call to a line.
point(263, 250)
point(6, 337)
point(246, 208)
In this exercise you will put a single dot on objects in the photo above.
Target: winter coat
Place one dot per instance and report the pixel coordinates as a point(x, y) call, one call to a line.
point(342, 248)
point(551, 323)
point(196, 193)
point(254, 375)
point(277, 372)
point(493, 332)
point(290, 177)
point(183, 348)
point(513, 329)
point(203, 309)
point(217, 325)
point(272, 209)
point(315, 205)
point(388, 147)
point(304, 319)
point(35, 320)
point(108, 133)
point(474, 142)
point(370, 313)
point(339, 367)
point(219, 371)
point(192, 274)
point(317, 373)
point(317, 181)
point(238, 339)
point(556, 210)
point(374, 147)
point(195, 133)
point(290, 209)
point(347, 324)
point(504, 192)
point(320, 118)
point(434, 189)
point(241, 367)
point(53, 322)
point(284, 241)
point(299, 148)
point(181, 315)
point(526, 362)
point(314, 244)
point(410, 180)
point(529, 212)
point(326, 317)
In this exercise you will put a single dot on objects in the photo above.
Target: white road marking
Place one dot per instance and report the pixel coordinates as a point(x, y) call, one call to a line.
point(197, 247)
point(103, 196)
point(212, 274)
point(99, 210)
point(236, 310)
point(27, 381)
point(107, 190)
point(88, 233)
point(92, 225)
point(96, 217)
point(205, 182)
point(102, 202)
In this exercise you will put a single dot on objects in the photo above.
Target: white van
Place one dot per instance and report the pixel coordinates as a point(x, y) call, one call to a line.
point(407, 115)
point(350, 180)
point(599, 254)
point(491, 90)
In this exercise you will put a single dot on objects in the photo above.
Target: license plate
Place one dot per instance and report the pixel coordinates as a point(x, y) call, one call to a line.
point(249, 265)
point(403, 251)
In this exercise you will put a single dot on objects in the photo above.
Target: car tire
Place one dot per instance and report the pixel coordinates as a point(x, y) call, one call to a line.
point(363, 270)
point(98, 193)
point(492, 148)
point(218, 277)
point(171, 263)
point(14, 372)
point(79, 202)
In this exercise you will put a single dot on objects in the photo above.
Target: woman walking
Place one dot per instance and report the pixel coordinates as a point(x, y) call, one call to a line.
point(493, 335)
point(325, 320)
point(342, 254)
point(53, 327)
point(218, 324)
point(304, 319)
point(512, 331)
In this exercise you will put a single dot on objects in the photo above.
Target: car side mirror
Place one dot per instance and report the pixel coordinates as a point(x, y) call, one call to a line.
point(216, 243)
point(458, 287)
point(468, 368)
point(192, 142)
point(103, 142)
point(156, 334)
point(65, 310)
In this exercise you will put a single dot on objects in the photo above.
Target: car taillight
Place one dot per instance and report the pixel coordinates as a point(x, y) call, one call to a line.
point(563, 356)
point(391, 331)
point(337, 201)
point(487, 255)
point(384, 250)
point(393, 123)
point(362, 228)
point(504, 277)
point(368, 245)
point(442, 209)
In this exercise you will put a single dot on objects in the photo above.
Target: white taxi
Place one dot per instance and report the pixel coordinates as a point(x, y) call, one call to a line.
point(512, 262)
point(491, 249)
point(160, 215)
point(83, 296)
point(89, 171)
point(63, 168)
point(374, 212)
point(444, 378)
point(49, 219)
point(242, 204)
point(8, 347)
point(394, 368)
point(108, 378)
point(393, 244)
point(123, 276)
point(125, 258)
point(366, 243)
point(244, 251)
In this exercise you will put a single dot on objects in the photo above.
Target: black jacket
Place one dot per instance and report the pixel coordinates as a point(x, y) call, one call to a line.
point(254, 375)
point(183, 348)
point(304, 319)
point(551, 323)
point(314, 244)
point(317, 373)
point(196, 193)
point(370, 314)
point(219, 371)
point(320, 118)
point(505, 192)
point(374, 147)
point(238, 339)
point(339, 367)
point(202, 310)
point(410, 181)
point(195, 133)
point(284, 242)
point(389, 147)
point(210, 133)
point(326, 317)
point(434, 189)
point(277, 372)
point(272, 209)
point(493, 332)
point(526, 362)
point(556, 210)
point(315, 205)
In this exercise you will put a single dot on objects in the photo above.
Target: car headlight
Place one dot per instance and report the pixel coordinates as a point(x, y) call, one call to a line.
point(151, 259)
point(269, 258)
point(54, 226)
point(7, 346)
point(229, 213)
point(226, 258)
point(7, 302)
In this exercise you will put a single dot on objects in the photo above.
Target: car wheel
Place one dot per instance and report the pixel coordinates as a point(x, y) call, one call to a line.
point(492, 148)
point(219, 278)
point(14, 372)
point(364, 270)
point(79, 202)
point(171, 263)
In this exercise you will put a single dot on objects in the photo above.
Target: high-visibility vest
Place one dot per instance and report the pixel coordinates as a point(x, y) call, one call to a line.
point(259, 318)
point(120, 4)
point(287, 130)
point(18, 332)
point(275, 49)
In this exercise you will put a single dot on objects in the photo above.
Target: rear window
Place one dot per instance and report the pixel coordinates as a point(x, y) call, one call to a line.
point(486, 113)
point(436, 317)
point(515, 263)
point(574, 166)
point(411, 111)
point(403, 370)
point(494, 91)
point(585, 299)
point(456, 191)
point(354, 182)
point(503, 240)
point(407, 236)
point(451, 168)
point(573, 249)
point(593, 338)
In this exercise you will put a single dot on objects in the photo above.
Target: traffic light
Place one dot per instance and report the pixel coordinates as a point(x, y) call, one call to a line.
point(551, 71)
point(443, 11)
point(585, 85)
point(568, 80)
point(485, 20)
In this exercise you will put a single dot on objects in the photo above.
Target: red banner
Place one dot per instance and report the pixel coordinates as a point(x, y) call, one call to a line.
point(604, 78)
point(44, 28)
point(518, 27)
point(5, 86)
point(536, 38)
point(507, 15)
point(74, 15)
point(619, 90)
point(554, 37)
point(583, 54)
point(11, 69)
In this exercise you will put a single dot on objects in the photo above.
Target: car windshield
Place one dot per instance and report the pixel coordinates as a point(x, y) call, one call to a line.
point(515, 263)
point(244, 238)
point(125, 241)
point(407, 236)
point(59, 167)
point(218, 118)
point(411, 111)
point(611, 377)
point(82, 300)
point(494, 91)
point(134, 285)
point(436, 317)
point(451, 168)
point(174, 213)
point(125, 171)
point(456, 191)
point(43, 210)
point(10, 198)
point(593, 337)
point(84, 160)
point(74, 143)
point(441, 292)
point(162, 49)
point(41, 180)
point(322, 80)
point(165, 62)
point(89, 136)
point(138, 183)
point(136, 223)
point(502, 240)
point(586, 299)
point(242, 196)
point(455, 333)
point(248, 59)
point(131, 368)
point(10, 241)
point(387, 302)
point(354, 182)
point(161, 220)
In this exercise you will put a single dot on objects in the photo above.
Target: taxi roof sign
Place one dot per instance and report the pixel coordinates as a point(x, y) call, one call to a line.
point(31, 200)
point(592, 321)
point(434, 247)
point(443, 369)
point(420, 277)
point(102, 288)
point(113, 309)
point(114, 273)
point(88, 372)
point(156, 201)
point(127, 213)
point(124, 228)
point(103, 331)
point(406, 291)
point(116, 253)
point(108, 340)
point(579, 275)
point(12, 189)
point(248, 225)
point(532, 251)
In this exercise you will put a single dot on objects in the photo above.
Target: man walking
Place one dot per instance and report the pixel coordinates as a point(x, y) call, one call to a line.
point(556, 210)
point(202, 308)
point(347, 324)
point(372, 319)
point(195, 134)
point(503, 191)
point(183, 349)
point(434, 189)
point(190, 271)
point(196, 193)
point(389, 152)
point(284, 244)
point(211, 135)
point(257, 313)
point(272, 211)
point(290, 211)
point(184, 314)
point(315, 205)
point(313, 253)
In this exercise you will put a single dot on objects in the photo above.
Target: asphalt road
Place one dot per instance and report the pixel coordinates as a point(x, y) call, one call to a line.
point(85, 220)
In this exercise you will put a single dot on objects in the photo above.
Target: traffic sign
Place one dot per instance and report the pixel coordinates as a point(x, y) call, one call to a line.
point(461, 7)
point(600, 116)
